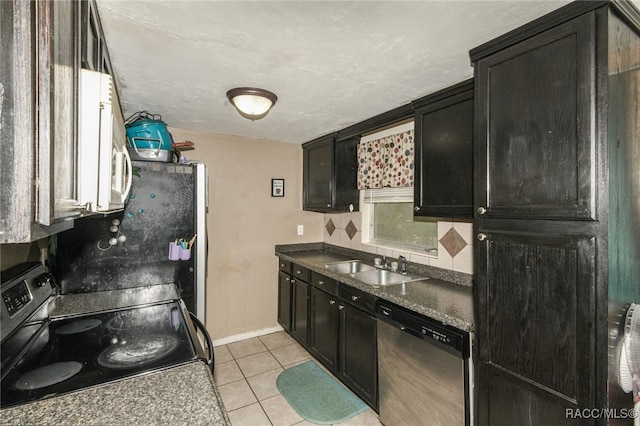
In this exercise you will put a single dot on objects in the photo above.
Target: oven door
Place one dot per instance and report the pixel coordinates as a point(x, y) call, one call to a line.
point(200, 336)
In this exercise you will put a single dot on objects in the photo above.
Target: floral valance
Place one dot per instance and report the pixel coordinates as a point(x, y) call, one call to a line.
point(386, 162)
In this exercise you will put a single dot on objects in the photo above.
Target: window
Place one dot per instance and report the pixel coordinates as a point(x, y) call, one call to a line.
point(387, 215)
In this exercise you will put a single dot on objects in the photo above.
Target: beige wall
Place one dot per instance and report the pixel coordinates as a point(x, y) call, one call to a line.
point(245, 223)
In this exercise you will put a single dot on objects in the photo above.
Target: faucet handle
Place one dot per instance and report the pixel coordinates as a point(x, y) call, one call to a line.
point(403, 264)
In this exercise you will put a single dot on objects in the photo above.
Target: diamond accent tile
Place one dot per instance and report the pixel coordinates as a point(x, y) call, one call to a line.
point(330, 227)
point(453, 242)
point(351, 230)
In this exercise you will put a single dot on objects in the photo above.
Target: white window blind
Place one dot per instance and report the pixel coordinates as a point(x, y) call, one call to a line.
point(389, 195)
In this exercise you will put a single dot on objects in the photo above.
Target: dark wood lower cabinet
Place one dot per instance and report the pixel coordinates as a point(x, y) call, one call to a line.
point(300, 311)
point(323, 338)
point(535, 298)
point(505, 400)
point(343, 338)
point(284, 300)
point(358, 352)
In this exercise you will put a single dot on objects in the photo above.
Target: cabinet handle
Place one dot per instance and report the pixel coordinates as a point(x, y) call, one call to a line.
point(282, 265)
point(328, 205)
point(340, 307)
point(287, 279)
point(293, 280)
point(298, 272)
point(482, 237)
point(332, 302)
point(320, 282)
point(354, 298)
point(481, 210)
point(417, 208)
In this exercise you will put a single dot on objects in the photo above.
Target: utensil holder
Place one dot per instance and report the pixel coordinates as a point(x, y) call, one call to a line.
point(174, 251)
point(185, 254)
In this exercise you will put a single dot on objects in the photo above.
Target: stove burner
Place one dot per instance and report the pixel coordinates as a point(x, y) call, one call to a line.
point(138, 352)
point(79, 326)
point(48, 375)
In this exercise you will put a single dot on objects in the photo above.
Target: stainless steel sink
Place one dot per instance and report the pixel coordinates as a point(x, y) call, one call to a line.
point(348, 267)
point(382, 277)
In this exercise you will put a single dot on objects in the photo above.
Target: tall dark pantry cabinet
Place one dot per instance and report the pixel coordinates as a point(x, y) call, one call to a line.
point(557, 220)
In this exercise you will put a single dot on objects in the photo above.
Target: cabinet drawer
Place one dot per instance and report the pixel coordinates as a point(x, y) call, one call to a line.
point(324, 283)
point(358, 298)
point(284, 266)
point(300, 272)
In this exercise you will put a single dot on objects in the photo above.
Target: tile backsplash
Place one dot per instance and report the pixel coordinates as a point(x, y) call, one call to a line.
point(455, 242)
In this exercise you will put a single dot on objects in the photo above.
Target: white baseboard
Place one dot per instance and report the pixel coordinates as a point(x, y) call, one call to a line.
point(247, 335)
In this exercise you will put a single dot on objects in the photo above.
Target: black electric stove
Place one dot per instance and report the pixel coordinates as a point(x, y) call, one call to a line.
point(45, 357)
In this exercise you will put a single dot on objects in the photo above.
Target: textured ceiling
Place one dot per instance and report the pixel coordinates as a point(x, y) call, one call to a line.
point(331, 63)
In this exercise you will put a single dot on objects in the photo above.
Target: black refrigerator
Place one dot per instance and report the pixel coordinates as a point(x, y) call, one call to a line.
point(159, 237)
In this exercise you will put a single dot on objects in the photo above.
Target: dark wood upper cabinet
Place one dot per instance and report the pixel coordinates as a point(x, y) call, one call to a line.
point(535, 106)
point(330, 174)
point(444, 153)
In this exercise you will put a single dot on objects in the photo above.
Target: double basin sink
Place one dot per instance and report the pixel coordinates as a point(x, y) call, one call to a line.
point(368, 274)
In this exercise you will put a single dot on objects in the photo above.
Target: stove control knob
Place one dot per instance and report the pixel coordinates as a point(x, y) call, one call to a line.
point(44, 279)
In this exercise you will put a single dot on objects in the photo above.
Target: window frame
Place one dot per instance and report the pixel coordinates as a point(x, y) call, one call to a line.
point(389, 195)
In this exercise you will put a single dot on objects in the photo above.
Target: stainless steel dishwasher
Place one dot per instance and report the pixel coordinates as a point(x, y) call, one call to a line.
point(423, 370)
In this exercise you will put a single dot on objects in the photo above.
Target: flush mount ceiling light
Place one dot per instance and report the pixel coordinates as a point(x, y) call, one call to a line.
point(252, 103)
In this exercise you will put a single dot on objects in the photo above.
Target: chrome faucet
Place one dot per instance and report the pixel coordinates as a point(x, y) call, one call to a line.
point(384, 265)
point(403, 264)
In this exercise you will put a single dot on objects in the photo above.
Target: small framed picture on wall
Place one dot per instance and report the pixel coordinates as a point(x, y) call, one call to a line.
point(277, 187)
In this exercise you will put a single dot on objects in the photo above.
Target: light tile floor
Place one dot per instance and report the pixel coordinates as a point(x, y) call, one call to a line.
point(246, 373)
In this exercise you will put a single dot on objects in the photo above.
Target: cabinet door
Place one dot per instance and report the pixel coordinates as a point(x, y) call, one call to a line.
point(318, 175)
point(535, 143)
point(346, 174)
point(284, 301)
point(300, 311)
point(444, 156)
point(57, 111)
point(323, 337)
point(358, 352)
point(535, 324)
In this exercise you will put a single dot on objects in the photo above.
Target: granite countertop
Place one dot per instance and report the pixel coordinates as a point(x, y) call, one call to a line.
point(443, 295)
point(180, 395)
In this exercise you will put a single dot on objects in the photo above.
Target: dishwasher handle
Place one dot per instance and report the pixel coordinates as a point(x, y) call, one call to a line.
point(387, 315)
point(410, 331)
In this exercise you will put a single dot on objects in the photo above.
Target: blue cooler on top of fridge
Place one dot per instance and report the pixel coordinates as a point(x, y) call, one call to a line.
point(148, 138)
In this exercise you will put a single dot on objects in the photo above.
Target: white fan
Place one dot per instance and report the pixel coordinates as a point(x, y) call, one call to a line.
point(629, 372)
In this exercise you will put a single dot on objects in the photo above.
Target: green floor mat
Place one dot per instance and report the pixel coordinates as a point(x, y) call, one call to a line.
point(316, 396)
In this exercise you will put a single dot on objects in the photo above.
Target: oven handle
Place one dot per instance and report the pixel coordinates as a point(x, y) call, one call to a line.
point(200, 326)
